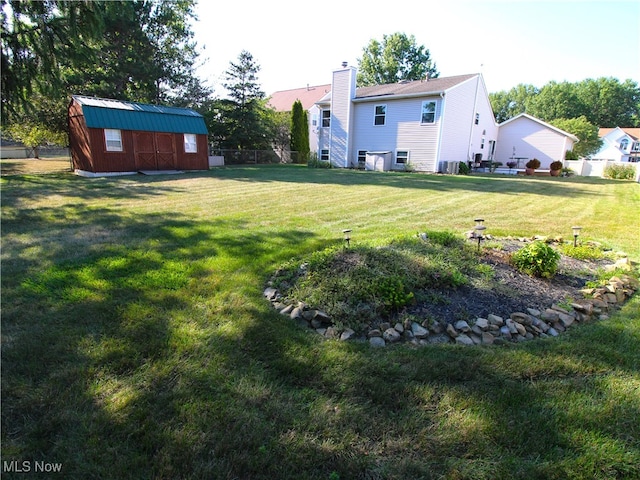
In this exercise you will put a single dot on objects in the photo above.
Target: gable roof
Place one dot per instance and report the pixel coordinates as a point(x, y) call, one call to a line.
point(544, 124)
point(431, 86)
point(122, 115)
point(634, 133)
point(283, 100)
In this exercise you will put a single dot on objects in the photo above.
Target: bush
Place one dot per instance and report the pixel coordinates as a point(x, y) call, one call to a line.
point(620, 172)
point(537, 259)
point(464, 169)
point(582, 252)
point(533, 163)
point(570, 155)
point(557, 165)
point(315, 162)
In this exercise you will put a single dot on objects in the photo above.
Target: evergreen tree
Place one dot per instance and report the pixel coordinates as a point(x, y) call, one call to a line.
point(247, 117)
point(299, 131)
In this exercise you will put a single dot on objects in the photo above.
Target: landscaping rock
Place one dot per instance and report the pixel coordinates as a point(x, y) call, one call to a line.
point(492, 330)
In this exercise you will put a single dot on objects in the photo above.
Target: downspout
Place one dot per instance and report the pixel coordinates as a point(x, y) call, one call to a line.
point(439, 147)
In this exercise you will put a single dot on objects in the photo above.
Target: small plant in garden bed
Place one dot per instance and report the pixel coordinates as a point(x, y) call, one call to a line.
point(582, 252)
point(537, 259)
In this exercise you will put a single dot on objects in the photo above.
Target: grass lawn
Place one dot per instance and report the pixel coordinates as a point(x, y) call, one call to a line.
point(136, 342)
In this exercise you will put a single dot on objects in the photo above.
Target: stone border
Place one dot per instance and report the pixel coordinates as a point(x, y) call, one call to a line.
point(493, 330)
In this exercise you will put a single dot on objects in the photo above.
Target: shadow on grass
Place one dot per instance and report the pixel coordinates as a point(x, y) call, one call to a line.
point(145, 350)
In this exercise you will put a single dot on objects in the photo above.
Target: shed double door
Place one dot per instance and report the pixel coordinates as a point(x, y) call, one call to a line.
point(154, 151)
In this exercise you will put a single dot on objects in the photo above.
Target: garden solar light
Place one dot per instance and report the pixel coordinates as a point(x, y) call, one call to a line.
point(479, 229)
point(347, 236)
point(576, 232)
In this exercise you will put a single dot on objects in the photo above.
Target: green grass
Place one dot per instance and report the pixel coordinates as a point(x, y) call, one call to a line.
point(137, 343)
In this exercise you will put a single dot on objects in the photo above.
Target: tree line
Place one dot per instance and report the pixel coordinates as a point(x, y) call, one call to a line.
point(144, 51)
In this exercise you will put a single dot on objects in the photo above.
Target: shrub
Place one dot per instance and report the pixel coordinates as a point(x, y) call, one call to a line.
point(557, 165)
point(582, 252)
point(537, 259)
point(393, 293)
point(620, 172)
point(464, 169)
point(570, 155)
point(533, 163)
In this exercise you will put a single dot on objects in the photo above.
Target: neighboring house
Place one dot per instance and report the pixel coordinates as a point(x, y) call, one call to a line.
point(117, 137)
point(424, 125)
point(619, 145)
point(524, 137)
point(283, 101)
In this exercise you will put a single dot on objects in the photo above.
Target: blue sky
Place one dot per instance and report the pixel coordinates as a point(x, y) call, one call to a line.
point(510, 41)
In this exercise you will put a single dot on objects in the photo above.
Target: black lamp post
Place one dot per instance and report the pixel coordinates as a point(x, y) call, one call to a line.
point(479, 229)
point(576, 232)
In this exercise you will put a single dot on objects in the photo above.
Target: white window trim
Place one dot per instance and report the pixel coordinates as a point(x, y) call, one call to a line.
point(324, 153)
point(190, 143)
point(435, 111)
point(405, 157)
point(111, 143)
point(376, 115)
point(327, 118)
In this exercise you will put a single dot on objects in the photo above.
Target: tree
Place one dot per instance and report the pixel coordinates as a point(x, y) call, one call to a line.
point(555, 100)
point(248, 124)
point(396, 58)
point(605, 102)
point(586, 132)
point(609, 103)
point(282, 133)
point(139, 50)
point(38, 37)
point(35, 135)
point(299, 131)
point(507, 105)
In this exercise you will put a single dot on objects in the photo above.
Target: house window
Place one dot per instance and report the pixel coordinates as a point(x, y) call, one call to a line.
point(428, 111)
point(113, 140)
point(380, 115)
point(190, 144)
point(482, 143)
point(477, 118)
point(324, 155)
point(624, 144)
point(635, 147)
point(326, 118)
point(402, 157)
point(314, 120)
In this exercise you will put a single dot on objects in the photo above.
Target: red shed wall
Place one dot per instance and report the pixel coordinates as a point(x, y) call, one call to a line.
point(128, 160)
point(79, 143)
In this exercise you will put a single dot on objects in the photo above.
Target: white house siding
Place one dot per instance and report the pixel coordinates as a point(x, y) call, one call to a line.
point(314, 124)
point(531, 140)
point(402, 131)
point(342, 91)
point(461, 137)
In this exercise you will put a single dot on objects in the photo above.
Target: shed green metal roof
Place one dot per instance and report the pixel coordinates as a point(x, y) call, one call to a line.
point(121, 115)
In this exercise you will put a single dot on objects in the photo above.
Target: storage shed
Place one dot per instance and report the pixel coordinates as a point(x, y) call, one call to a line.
point(115, 137)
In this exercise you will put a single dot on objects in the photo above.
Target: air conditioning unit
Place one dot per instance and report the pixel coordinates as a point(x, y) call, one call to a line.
point(453, 168)
point(444, 165)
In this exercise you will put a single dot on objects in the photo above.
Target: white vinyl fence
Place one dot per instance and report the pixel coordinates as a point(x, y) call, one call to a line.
point(596, 168)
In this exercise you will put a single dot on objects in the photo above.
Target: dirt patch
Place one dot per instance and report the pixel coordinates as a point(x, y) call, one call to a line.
point(509, 290)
